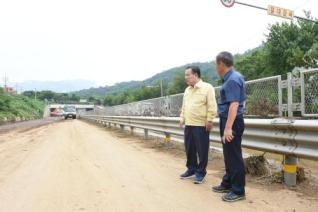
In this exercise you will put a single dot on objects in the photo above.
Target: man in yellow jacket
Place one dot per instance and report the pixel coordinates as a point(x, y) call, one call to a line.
point(198, 110)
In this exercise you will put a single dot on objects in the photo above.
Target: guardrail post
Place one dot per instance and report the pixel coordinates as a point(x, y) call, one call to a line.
point(290, 170)
point(146, 134)
point(122, 127)
point(290, 95)
point(168, 137)
point(132, 130)
point(109, 125)
point(280, 96)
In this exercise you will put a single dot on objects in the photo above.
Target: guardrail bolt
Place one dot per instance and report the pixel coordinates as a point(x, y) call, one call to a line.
point(290, 170)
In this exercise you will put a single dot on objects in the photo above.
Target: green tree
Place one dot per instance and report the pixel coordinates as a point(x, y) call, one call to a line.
point(178, 84)
point(311, 56)
point(288, 45)
point(49, 95)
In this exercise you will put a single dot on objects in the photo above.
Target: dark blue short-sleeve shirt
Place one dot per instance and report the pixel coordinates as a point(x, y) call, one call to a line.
point(232, 90)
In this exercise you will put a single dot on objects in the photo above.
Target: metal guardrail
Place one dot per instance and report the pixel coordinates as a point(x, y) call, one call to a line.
point(297, 138)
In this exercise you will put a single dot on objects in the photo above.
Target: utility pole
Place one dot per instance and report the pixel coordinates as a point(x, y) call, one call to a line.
point(6, 79)
point(16, 88)
point(35, 94)
point(158, 86)
point(161, 88)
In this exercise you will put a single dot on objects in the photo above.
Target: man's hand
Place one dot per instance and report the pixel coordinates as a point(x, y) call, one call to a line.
point(228, 135)
point(209, 126)
point(181, 123)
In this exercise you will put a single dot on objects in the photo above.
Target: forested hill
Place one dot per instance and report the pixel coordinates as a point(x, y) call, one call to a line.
point(167, 77)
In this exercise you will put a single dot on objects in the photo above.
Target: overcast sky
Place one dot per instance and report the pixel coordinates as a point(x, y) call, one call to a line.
point(109, 41)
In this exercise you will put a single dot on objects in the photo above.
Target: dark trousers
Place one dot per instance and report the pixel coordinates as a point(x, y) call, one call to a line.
point(196, 142)
point(234, 177)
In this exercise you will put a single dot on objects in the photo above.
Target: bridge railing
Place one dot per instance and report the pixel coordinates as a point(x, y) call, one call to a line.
point(266, 98)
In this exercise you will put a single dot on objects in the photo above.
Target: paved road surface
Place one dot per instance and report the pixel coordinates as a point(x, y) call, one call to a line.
point(75, 166)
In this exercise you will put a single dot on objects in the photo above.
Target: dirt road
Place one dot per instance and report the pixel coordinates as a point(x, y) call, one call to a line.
point(27, 125)
point(75, 166)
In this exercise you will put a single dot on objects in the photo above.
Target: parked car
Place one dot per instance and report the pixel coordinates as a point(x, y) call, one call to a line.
point(57, 112)
point(69, 112)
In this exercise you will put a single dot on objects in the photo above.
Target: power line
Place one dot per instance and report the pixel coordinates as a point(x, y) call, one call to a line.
point(263, 8)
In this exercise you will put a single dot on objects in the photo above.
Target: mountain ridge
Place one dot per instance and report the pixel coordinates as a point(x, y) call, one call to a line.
point(167, 76)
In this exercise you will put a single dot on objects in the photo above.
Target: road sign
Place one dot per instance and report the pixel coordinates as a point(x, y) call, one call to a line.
point(280, 12)
point(228, 3)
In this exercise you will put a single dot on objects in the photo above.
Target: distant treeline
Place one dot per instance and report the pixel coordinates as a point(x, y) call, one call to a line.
point(51, 96)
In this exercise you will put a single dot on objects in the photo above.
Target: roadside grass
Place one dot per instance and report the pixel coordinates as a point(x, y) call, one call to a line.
point(18, 107)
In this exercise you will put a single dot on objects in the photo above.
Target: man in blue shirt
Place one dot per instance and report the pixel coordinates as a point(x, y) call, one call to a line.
point(230, 109)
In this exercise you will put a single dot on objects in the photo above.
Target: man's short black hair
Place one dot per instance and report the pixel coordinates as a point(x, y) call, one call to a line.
point(226, 58)
point(195, 70)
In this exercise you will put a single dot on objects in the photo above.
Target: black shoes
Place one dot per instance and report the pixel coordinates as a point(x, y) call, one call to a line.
point(232, 197)
point(187, 175)
point(220, 189)
point(229, 196)
point(198, 179)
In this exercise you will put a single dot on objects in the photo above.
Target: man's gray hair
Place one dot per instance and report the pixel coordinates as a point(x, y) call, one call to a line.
point(226, 58)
